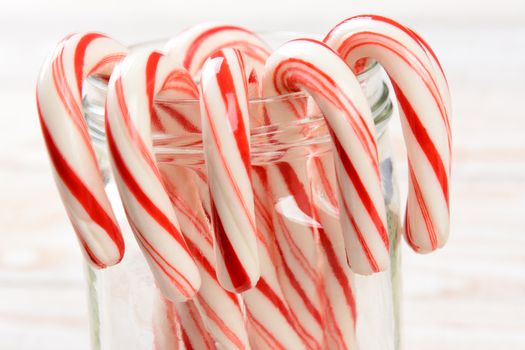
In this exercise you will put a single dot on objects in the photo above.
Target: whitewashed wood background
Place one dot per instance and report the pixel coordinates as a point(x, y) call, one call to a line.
point(470, 295)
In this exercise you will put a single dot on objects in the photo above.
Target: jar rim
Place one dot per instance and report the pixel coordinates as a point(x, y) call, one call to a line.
point(189, 148)
point(101, 84)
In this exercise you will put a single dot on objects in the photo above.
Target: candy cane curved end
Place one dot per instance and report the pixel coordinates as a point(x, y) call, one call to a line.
point(193, 46)
point(422, 93)
point(226, 142)
point(75, 167)
point(131, 91)
point(309, 65)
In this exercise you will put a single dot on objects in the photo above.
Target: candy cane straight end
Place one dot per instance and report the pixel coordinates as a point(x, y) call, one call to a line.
point(76, 171)
point(424, 104)
point(226, 139)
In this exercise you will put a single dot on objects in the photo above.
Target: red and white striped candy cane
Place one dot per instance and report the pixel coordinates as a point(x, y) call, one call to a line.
point(340, 311)
point(195, 45)
point(423, 96)
point(220, 309)
point(271, 323)
point(131, 91)
point(194, 334)
point(296, 238)
point(226, 142)
point(75, 167)
point(316, 279)
point(165, 324)
point(179, 326)
point(310, 65)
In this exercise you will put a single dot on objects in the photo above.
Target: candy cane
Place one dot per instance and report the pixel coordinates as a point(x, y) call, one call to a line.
point(296, 236)
point(220, 309)
point(131, 91)
point(194, 334)
point(179, 326)
point(315, 276)
point(341, 313)
point(196, 44)
point(271, 323)
point(226, 142)
point(422, 93)
point(311, 66)
point(75, 167)
point(165, 323)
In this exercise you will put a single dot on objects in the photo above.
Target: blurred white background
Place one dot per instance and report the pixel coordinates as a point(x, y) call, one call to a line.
point(471, 295)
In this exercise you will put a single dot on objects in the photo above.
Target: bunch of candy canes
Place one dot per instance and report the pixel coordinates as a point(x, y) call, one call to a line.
point(230, 269)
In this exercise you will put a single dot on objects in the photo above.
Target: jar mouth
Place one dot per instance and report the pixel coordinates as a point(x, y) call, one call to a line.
point(101, 85)
point(270, 141)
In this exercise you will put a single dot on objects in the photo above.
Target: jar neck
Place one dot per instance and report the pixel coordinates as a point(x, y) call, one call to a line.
point(295, 138)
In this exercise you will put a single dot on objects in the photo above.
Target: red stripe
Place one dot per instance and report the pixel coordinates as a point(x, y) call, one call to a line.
point(225, 329)
point(234, 113)
point(338, 271)
point(424, 210)
point(279, 304)
point(146, 203)
point(265, 335)
point(239, 278)
point(290, 316)
point(159, 260)
point(236, 271)
point(197, 320)
point(185, 122)
point(199, 40)
point(195, 249)
point(412, 34)
point(325, 181)
point(424, 140)
point(333, 329)
point(186, 339)
point(133, 134)
point(199, 223)
point(423, 73)
point(91, 255)
point(427, 47)
point(364, 196)
point(295, 187)
point(80, 191)
point(299, 289)
point(369, 256)
point(225, 165)
point(70, 102)
point(180, 80)
point(409, 238)
point(113, 58)
point(151, 75)
point(80, 54)
point(301, 74)
point(303, 201)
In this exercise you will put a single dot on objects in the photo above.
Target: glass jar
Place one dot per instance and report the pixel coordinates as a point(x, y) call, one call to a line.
point(126, 310)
